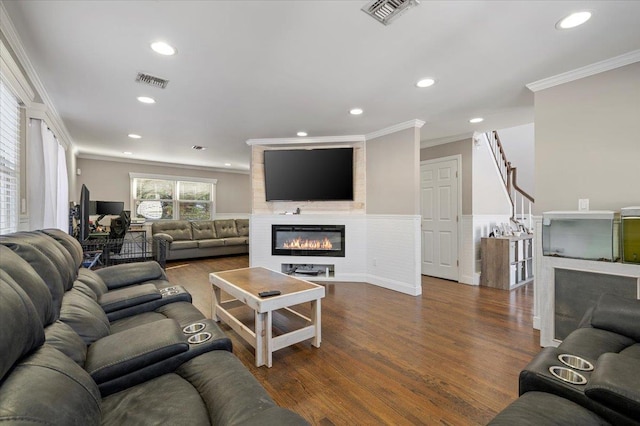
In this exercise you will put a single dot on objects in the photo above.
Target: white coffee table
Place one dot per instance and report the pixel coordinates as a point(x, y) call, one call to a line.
point(245, 284)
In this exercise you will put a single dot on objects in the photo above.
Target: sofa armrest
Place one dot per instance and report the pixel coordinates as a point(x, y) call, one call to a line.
point(161, 235)
point(615, 383)
point(127, 274)
point(127, 297)
point(114, 356)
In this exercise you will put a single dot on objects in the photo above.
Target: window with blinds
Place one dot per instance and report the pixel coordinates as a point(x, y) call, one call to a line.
point(158, 197)
point(9, 160)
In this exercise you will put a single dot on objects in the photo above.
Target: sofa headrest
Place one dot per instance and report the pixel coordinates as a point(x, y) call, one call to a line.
point(20, 328)
point(69, 243)
point(179, 230)
point(243, 227)
point(63, 259)
point(29, 280)
point(203, 229)
point(46, 259)
point(226, 228)
point(617, 314)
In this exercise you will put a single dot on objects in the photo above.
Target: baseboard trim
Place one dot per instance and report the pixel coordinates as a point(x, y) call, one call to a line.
point(394, 285)
point(536, 323)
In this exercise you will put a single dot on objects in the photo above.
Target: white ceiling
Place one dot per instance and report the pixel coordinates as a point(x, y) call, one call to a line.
point(266, 69)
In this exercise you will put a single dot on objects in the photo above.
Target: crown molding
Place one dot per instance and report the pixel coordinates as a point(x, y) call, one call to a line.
point(338, 139)
point(586, 71)
point(395, 128)
point(444, 140)
point(55, 121)
point(98, 157)
point(307, 141)
point(12, 75)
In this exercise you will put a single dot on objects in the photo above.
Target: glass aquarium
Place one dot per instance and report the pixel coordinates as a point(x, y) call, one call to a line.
point(630, 234)
point(580, 235)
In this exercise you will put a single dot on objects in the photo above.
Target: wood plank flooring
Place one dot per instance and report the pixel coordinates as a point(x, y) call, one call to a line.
point(449, 357)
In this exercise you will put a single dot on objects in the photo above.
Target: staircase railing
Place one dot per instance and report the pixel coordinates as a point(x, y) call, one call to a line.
point(517, 196)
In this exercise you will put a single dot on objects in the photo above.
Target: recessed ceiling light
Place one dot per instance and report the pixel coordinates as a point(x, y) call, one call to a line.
point(476, 120)
point(302, 134)
point(356, 111)
point(573, 20)
point(227, 164)
point(127, 153)
point(425, 82)
point(146, 100)
point(134, 136)
point(198, 148)
point(163, 48)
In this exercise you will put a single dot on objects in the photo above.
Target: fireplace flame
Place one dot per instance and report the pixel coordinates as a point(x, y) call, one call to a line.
point(300, 244)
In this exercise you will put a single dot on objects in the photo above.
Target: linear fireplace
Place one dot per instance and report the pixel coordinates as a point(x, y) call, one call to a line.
point(307, 240)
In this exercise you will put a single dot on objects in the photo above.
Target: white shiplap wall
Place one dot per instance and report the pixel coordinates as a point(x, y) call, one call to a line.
point(393, 252)
point(392, 242)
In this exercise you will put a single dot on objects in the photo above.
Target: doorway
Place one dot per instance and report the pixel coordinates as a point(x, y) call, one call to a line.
point(440, 194)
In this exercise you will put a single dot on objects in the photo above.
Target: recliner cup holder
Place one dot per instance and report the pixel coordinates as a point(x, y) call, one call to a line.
point(567, 375)
point(170, 293)
point(200, 338)
point(193, 328)
point(575, 362)
point(168, 289)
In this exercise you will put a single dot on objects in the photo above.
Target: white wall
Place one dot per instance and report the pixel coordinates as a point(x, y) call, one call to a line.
point(587, 143)
point(519, 147)
point(489, 194)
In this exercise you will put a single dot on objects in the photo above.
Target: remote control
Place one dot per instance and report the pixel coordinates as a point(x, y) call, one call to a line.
point(269, 293)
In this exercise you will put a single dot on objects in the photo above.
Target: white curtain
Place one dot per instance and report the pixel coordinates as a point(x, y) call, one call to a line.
point(47, 181)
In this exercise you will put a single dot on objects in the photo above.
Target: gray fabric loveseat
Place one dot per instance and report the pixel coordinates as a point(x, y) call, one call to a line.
point(203, 238)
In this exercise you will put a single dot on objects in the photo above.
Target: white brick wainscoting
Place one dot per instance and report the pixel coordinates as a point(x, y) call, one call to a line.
point(379, 249)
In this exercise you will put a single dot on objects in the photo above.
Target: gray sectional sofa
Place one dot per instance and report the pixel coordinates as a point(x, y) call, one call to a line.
point(65, 361)
point(186, 239)
point(599, 387)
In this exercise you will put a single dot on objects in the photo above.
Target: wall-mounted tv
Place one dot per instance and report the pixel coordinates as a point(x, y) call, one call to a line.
point(309, 174)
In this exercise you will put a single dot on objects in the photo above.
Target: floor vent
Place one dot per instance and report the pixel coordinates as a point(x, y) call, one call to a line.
point(385, 11)
point(158, 82)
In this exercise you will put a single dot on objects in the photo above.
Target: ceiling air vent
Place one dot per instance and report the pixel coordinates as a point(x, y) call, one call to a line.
point(158, 82)
point(385, 11)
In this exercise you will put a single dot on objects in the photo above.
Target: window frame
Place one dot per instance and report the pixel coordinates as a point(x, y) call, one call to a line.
point(176, 201)
point(11, 174)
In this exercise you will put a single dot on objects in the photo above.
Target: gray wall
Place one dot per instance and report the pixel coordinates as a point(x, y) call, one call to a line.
point(109, 181)
point(587, 143)
point(464, 148)
point(393, 173)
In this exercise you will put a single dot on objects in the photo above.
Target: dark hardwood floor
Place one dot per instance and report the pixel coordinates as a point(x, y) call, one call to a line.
point(450, 357)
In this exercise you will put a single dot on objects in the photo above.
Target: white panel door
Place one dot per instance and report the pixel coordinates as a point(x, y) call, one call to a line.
point(439, 197)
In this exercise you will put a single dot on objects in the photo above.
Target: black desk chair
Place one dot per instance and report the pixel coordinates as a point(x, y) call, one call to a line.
point(118, 230)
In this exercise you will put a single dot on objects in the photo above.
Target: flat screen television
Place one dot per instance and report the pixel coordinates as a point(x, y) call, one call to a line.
point(109, 207)
point(309, 174)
